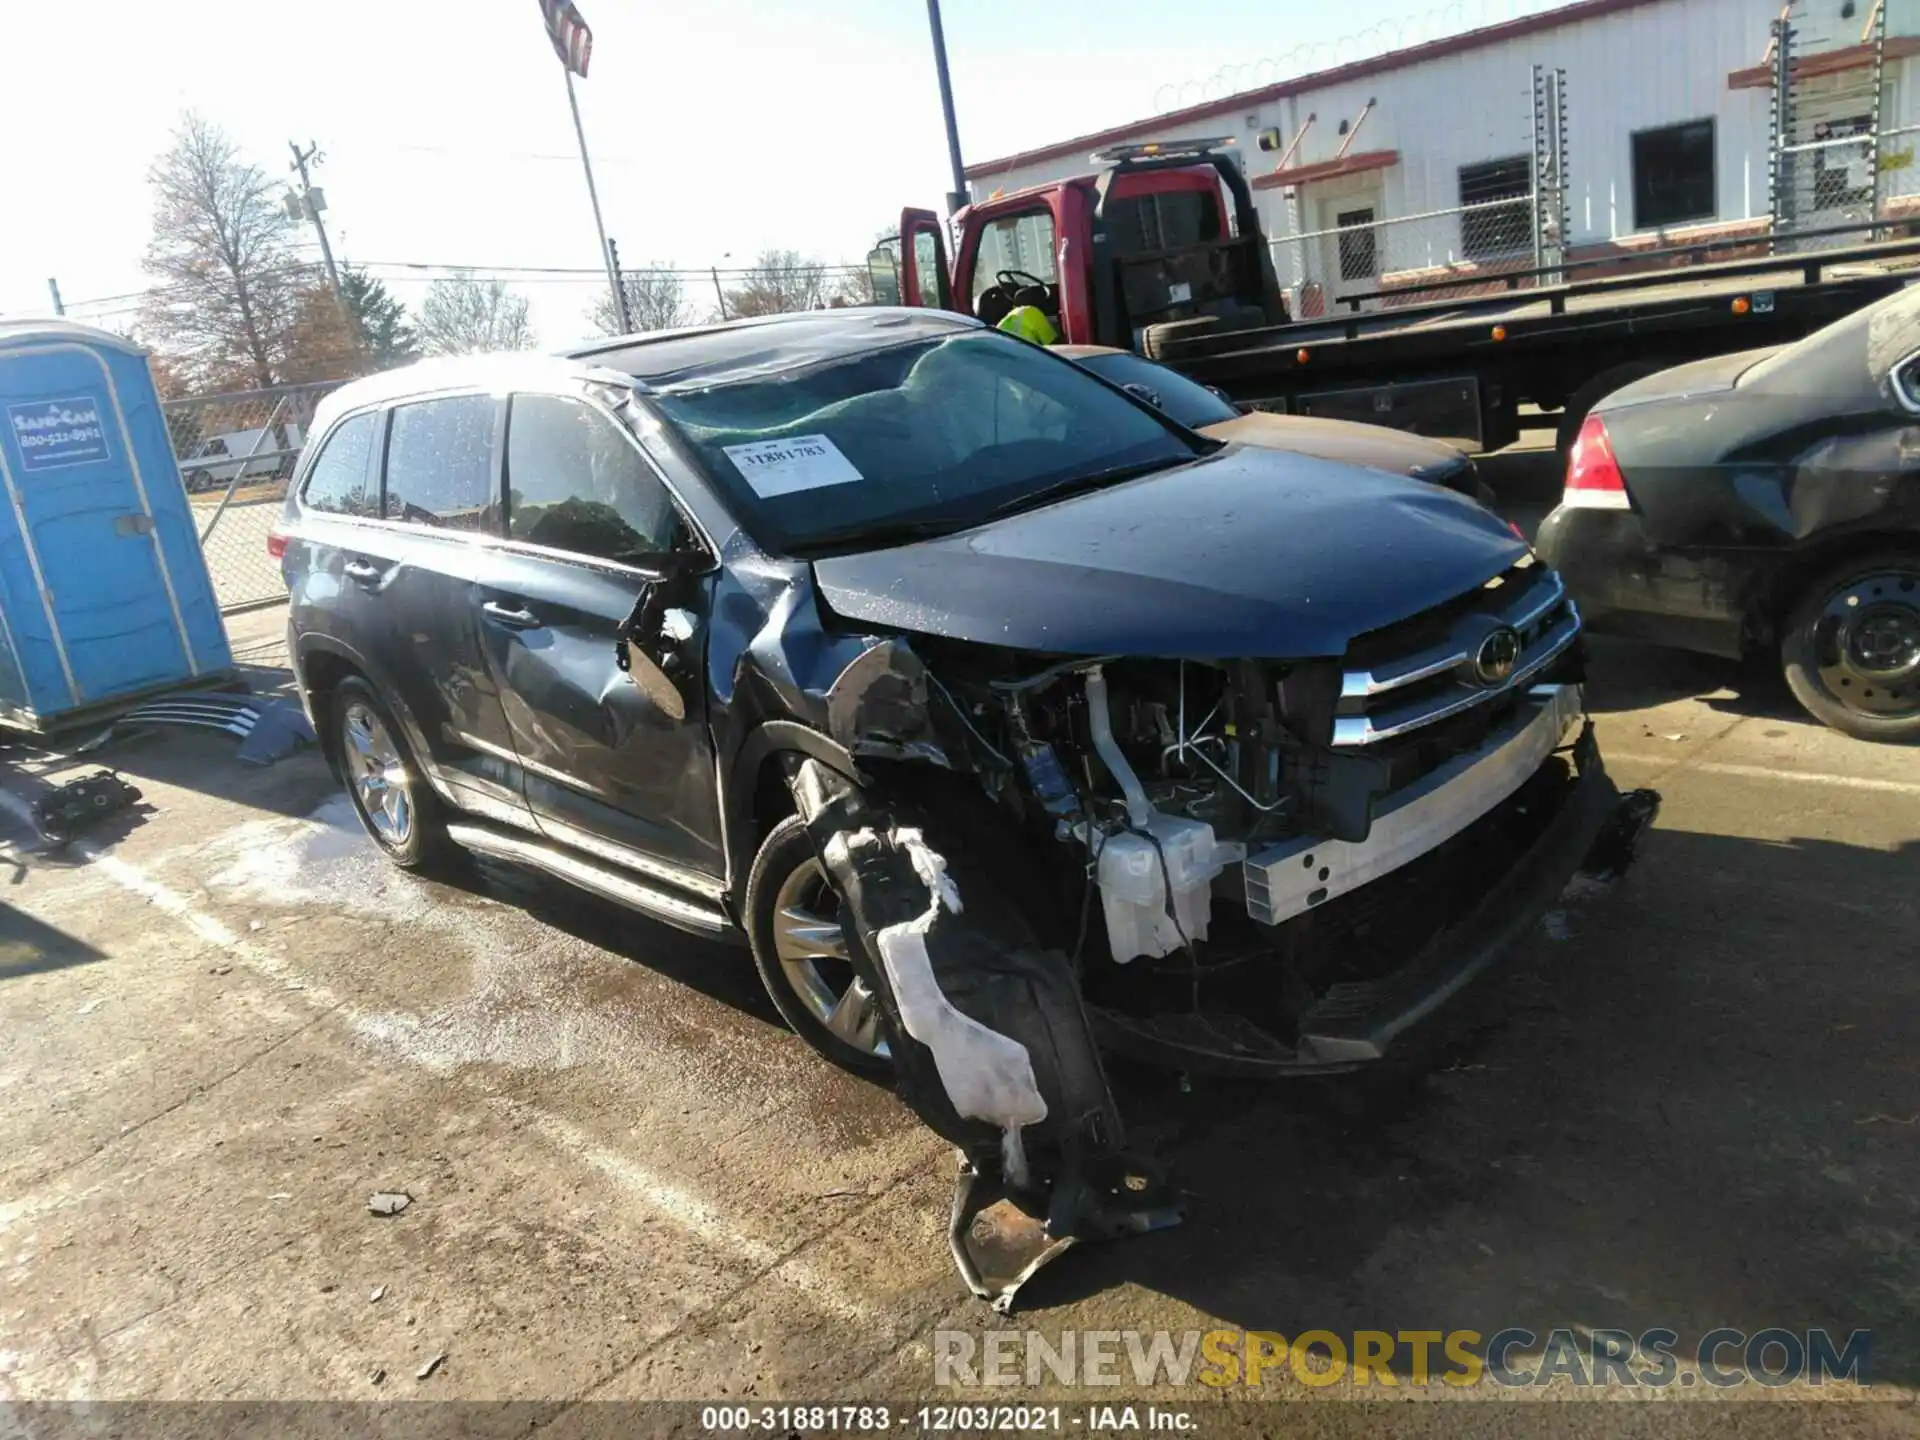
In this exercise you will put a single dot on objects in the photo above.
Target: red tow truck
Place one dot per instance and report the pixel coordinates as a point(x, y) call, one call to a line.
point(1160, 249)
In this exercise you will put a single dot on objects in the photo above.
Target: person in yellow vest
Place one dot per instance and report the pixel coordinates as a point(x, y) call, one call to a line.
point(1029, 323)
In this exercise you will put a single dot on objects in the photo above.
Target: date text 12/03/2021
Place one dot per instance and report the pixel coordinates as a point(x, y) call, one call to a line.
point(945, 1419)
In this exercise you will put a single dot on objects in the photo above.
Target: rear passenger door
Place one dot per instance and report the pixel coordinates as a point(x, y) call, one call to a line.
point(617, 764)
point(414, 570)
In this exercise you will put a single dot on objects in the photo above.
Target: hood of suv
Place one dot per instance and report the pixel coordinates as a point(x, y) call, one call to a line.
point(1246, 553)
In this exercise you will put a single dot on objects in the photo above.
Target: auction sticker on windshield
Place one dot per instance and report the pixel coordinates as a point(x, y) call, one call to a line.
point(800, 462)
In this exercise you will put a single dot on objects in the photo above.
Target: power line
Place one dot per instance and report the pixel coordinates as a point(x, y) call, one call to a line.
point(400, 272)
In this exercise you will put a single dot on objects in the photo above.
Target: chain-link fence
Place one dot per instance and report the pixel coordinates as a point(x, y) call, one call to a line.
point(235, 453)
point(1365, 263)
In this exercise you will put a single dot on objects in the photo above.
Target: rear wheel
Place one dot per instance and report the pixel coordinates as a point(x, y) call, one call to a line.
point(793, 922)
point(388, 790)
point(1851, 650)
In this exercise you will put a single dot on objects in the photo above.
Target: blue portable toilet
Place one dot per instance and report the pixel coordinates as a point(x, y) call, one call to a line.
point(104, 593)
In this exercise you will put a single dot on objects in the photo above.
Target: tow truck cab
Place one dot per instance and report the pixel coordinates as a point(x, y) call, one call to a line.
point(1162, 242)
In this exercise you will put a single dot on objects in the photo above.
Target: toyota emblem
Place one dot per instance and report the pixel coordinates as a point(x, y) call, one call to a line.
point(1499, 653)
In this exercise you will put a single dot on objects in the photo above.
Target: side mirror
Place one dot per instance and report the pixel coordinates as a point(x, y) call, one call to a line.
point(883, 267)
point(1143, 392)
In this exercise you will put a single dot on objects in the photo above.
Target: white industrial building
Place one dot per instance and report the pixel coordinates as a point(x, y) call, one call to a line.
point(1421, 163)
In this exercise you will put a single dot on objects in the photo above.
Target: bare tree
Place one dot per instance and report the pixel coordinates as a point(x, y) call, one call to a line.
point(222, 251)
point(464, 316)
point(656, 300)
point(779, 281)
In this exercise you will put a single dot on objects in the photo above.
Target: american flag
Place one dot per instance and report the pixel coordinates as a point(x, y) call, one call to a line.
point(572, 40)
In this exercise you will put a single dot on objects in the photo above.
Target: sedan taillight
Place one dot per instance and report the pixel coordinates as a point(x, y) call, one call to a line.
point(276, 545)
point(1594, 481)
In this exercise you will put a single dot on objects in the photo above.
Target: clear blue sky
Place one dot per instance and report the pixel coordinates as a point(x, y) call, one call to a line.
point(719, 127)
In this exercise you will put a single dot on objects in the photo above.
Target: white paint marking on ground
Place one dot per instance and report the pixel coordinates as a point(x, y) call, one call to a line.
point(679, 1206)
point(1768, 772)
point(695, 1216)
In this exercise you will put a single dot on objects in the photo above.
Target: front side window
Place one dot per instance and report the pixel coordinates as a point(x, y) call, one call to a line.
point(930, 435)
point(1490, 229)
point(337, 483)
point(1187, 401)
point(575, 482)
point(1014, 242)
point(440, 464)
point(1673, 175)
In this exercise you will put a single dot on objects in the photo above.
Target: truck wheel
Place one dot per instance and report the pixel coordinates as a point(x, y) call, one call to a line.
point(1851, 650)
point(792, 919)
point(199, 480)
point(1155, 340)
point(1592, 393)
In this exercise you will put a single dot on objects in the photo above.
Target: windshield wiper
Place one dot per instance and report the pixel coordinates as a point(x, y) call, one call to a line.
point(1077, 484)
point(880, 534)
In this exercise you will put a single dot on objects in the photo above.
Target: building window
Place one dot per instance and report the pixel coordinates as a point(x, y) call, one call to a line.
point(1493, 230)
point(1359, 251)
point(1673, 175)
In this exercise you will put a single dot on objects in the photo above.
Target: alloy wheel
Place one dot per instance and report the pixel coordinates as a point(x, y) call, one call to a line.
point(378, 774)
point(812, 952)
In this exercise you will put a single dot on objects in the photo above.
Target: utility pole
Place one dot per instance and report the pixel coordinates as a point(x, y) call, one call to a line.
point(53, 289)
point(311, 202)
point(593, 192)
point(958, 195)
point(718, 293)
point(621, 312)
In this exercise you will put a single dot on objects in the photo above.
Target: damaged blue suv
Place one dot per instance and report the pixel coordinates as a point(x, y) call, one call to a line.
point(1004, 719)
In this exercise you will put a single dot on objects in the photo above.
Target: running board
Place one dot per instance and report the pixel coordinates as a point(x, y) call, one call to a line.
point(601, 880)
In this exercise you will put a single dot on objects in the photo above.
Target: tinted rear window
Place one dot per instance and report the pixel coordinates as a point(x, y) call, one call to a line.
point(440, 464)
point(337, 483)
point(1187, 401)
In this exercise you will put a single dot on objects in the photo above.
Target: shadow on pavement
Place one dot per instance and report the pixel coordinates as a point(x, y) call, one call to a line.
point(723, 972)
point(33, 947)
point(1629, 675)
point(1702, 1109)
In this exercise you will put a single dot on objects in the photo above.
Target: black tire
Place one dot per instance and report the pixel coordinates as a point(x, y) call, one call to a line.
point(785, 856)
point(423, 846)
point(1582, 401)
point(198, 481)
point(1818, 647)
point(1159, 342)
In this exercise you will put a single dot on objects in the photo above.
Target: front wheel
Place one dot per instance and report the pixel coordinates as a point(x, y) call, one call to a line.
point(1851, 651)
point(793, 922)
point(389, 792)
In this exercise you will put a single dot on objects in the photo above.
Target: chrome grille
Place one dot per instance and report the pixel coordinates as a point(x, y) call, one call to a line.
point(1424, 671)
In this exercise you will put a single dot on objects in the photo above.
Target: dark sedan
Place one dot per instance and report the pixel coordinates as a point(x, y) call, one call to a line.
point(1766, 503)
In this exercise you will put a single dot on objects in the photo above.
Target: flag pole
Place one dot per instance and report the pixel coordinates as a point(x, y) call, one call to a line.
point(593, 194)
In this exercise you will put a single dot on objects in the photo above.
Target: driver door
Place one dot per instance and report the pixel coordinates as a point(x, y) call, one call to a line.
point(911, 269)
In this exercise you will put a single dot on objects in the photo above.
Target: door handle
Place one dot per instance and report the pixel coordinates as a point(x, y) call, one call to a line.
point(365, 571)
point(512, 617)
